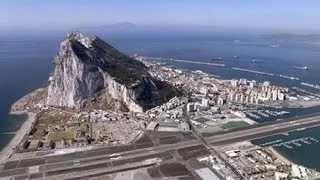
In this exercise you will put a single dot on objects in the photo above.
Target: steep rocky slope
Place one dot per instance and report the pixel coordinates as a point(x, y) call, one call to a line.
point(84, 67)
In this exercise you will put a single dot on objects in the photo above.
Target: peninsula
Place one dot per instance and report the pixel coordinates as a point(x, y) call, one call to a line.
point(105, 112)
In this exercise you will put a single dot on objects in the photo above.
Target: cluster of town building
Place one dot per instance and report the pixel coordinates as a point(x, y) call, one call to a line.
point(218, 91)
point(261, 163)
point(215, 99)
point(56, 128)
point(172, 109)
point(251, 92)
point(254, 162)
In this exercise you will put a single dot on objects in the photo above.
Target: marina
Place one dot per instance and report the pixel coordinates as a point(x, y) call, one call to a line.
point(258, 114)
point(292, 143)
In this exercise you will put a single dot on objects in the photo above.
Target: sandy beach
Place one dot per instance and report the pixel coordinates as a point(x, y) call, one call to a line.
point(19, 135)
point(279, 156)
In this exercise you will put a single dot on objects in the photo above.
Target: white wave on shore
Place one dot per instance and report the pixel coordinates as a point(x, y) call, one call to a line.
point(7, 152)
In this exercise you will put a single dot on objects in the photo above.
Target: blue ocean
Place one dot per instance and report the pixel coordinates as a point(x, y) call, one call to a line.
point(25, 64)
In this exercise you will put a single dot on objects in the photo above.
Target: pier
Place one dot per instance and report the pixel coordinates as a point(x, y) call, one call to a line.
point(306, 92)
point(184, 61)
point(292, 143)
point(252, 71)
point(315, 86)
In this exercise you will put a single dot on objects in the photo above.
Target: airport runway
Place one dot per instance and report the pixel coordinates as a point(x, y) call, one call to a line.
point(108, 160)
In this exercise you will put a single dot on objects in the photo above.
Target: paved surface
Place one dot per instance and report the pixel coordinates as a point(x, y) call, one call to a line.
point(110, 160)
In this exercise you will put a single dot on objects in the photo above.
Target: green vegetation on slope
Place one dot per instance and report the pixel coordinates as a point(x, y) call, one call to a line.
point(122, 67)
point(156, 93)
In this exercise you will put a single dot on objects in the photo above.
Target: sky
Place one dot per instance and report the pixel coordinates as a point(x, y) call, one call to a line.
point(20, 15)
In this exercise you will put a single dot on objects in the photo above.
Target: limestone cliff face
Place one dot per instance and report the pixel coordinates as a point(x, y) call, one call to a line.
point(121, 92)
point(72, 80)
point(84, 66)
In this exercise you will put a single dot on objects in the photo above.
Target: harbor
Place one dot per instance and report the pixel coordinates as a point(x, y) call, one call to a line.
point(252, 71)
point(183, 61)
point(292, 143)
point(315, 86)
point(306, 92)
point(258, 114)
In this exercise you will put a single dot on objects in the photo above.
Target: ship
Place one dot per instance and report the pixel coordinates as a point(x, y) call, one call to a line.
point(217, 59)
point(256, 61)
point(301, 67)
point(236, 41)
point(275, 45)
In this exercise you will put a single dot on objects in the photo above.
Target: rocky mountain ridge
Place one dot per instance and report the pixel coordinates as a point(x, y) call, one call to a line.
point(85, 66)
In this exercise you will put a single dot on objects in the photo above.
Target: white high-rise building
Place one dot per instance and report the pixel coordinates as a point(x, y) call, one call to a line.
point(266, 83)
point(252, 98)
point(232, 96)
point(247, 99)
point(191, 107)
point(269, 95)
point(281, 96)
point(237, 99)
point(243, 81)
point(242, 98)
point(234, 82)
point(205, 102)
point(253, 83)
point(274, 95)
point(220, 101)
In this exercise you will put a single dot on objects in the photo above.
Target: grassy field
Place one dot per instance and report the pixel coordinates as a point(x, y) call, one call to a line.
point(235, 124)
point(70, 133)
point(53, 119)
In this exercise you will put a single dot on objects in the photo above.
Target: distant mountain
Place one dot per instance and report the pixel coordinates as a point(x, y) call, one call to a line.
point(141, 28)
point(121, 25)
point(87, 69)
point(116, 27)
point(292, 37)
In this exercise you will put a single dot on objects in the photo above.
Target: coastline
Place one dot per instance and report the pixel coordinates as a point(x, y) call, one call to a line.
point(7, 152)
point(279, 156)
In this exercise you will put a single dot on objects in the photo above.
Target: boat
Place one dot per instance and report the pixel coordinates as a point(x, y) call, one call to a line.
point(275, 45)
point(305, 141)
point(287, 146)
point(217, 59)
point(296, 143)
point(256, 61)
point(283, 113)
point(313, 139)
point(301, 67)
point(301, 129)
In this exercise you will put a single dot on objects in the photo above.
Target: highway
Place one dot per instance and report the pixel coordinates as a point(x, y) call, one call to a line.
point(106, 160)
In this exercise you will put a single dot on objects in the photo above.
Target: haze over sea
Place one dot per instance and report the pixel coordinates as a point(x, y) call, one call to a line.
point(25, 64)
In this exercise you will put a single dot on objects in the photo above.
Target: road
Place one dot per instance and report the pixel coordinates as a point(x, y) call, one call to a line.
point(117, 159)
point(209, 146)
